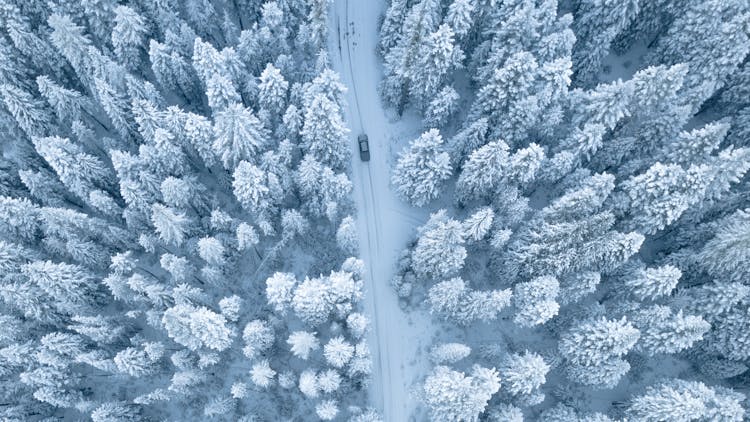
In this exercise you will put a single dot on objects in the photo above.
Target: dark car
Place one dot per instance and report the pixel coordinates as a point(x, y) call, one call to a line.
point(364, 147)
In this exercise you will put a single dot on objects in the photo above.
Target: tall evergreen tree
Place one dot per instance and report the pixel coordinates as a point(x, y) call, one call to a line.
point(438, 56)
point(440, 250)
point(422, 169)
point(30, 114)
point(78, 171)
point(324, 134)
point(454, 396)
point(684, 400)
point(708, 37)
point(658, 197)
point(238, 135)
point(128, 36)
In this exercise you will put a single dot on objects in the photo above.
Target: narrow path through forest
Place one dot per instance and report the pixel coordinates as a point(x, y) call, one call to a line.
point(385, 224)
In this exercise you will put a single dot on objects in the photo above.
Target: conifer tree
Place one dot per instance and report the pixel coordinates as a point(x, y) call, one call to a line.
point(656, 198)
point(593, 342)
point(134, 362)
point(324, 134)
point(704, 27)
point(255, 189)
point(483, 171)
point(604, 375)
point(478, 225)
point(279, 289)
point(449, 353)
point(523, 373)
point(535, 301)
point(69, 287)
point(468, 139)
point(346, 235)
point(272, 89)
point(302, 343)
point(69, 39)
point(653, 283)
point(665, 332)
point(390, 30)
point(116, 106)
point(696, 145)
point(128, 35)
point(338, 352)
point(321, 188)
point(422, 169)
point(725, 255)
point(221, 92)
point(437, 57)
point(171, 69)
point(453, 396)
point(30, 114)
point(452, 300)
point(67, 103)
point(172, 226)
point(460, 16)
point(238, 135)
point(421, 19)
point(507, 100)
point(197, 327)
point(79, 171)
point(491, 167)
point(684, 400)
point(440, 250)
point(312, 301)
point(258, 336)
point(441, 107)
point(116, 411)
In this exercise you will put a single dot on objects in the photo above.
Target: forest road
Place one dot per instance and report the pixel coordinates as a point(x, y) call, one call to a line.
point(384, 223)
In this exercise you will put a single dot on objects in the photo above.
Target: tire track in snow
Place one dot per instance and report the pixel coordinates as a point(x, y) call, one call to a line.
point(385, 224)
point(373, 256)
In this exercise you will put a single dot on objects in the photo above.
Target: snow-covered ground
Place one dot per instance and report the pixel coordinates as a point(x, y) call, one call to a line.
point(398, 339)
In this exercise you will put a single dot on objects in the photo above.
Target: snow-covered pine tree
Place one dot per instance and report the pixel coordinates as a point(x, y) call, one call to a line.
point(685, 400)
point(422, 169)
point(523, 373)
point(454, 301)
point(453, 396)
point(440, 250)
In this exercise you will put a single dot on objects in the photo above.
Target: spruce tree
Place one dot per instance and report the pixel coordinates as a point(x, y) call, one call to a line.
point(238, 135)
point(422, 169)
point(452, 395)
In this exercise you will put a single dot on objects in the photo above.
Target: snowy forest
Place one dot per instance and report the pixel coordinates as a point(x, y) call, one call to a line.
point(584, 163)
point(551, 223)
point(175, 215)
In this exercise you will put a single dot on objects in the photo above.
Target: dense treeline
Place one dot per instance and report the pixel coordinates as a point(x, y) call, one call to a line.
point(174, 183)
point(591, 157)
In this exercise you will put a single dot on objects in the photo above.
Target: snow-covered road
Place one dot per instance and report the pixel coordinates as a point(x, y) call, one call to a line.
point(385, 224)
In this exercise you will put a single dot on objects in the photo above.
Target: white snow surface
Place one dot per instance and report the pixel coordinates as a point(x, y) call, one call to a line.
point(399, 340)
